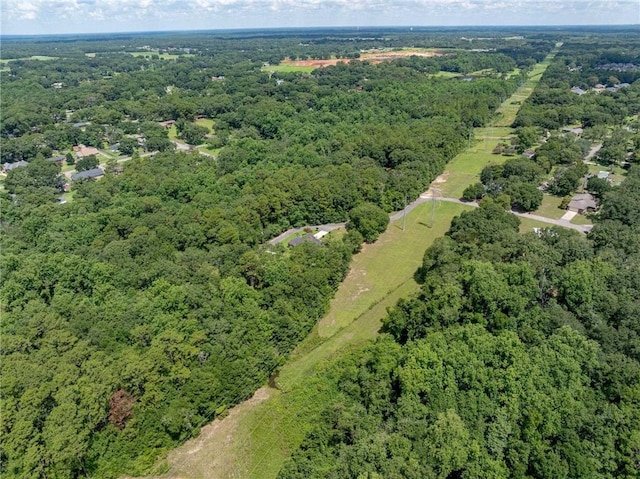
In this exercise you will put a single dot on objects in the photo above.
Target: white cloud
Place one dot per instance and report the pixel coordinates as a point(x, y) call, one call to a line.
point(40, 16)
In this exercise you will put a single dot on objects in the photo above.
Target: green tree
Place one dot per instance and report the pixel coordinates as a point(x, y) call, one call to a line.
point(87, 163)
point(369, 220)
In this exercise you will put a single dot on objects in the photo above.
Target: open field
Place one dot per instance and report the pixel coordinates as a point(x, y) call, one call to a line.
point(287, 68)
point(172, 132)
point(206, 122)
point(465, 168)
point(33, 57)
point(377, 56)
point(257, 440)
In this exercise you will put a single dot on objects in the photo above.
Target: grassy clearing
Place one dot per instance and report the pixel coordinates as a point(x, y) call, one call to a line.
point(509, 109)
point(173, 132)
point(465, 168)
point(206, 122)
point(211, 151)
point(527, 225)
point(443, 74)
point(257, 440)
point(550, 207)
point(581, 220)
point(259, 435)
point(286, 68)
point(33, 57)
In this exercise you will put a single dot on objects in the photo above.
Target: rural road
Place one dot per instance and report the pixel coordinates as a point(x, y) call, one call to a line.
point(425, 197)
point(180, 146)
point(542, 219)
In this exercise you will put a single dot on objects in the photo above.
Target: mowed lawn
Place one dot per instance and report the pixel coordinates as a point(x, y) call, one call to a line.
point(549, 207)
point(286, 68)
point(206, 122)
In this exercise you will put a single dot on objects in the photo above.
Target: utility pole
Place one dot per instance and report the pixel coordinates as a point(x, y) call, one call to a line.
point(404, 213)
point(433, 206)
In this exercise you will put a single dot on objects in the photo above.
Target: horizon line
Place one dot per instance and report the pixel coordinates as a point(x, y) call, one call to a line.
point(344, 27)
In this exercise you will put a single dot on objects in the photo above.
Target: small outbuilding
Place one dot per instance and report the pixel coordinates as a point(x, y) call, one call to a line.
point(582, 202)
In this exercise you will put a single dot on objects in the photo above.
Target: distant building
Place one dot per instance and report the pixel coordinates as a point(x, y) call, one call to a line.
point(304, 239)
point(167, 124)
point(529, 154)
point(88, 174)
point(577, 90)
point(582, 202)
point(604, 175)
point(575, 131)
point(81, 124)
point(7, 167)
point(58, 160)
point(83, 151)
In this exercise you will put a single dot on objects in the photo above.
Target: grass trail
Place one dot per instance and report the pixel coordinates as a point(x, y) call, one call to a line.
point(465, 168)
point(260, 434)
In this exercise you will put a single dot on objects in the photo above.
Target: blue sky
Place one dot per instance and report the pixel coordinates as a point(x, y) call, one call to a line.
point(88, 16)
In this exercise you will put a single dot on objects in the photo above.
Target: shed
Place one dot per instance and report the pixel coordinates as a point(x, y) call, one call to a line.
point(57, 159)
point(603, 175)
point(304, 239)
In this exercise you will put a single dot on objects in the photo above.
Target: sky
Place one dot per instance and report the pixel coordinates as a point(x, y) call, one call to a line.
point(98, 16)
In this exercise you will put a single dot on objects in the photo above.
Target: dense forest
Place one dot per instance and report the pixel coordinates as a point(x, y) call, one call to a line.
point(520, 357)
point(151, 303)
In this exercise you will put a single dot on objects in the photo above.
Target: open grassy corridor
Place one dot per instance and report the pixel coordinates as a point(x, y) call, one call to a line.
point(260, 434)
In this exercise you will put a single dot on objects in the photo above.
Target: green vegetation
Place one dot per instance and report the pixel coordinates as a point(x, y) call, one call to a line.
point(495, 367)
point(264, 434)
point(550, 207)
point(151, 304)
point(289, 68)
point(153, 286)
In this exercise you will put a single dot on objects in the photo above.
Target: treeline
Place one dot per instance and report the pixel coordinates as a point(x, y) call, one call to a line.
point(520, 357)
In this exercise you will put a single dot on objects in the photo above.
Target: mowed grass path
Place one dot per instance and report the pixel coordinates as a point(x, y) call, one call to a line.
point(259, 435)
point(465, 168)
point(256, 439)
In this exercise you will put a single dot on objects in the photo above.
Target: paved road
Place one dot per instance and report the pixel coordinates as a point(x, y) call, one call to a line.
point(425, 197)
point(542, 219)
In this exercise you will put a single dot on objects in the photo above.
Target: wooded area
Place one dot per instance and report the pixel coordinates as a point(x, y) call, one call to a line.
point(148, 302)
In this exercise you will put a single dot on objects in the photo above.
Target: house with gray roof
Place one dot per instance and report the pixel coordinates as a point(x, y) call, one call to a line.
point(88, 174)
point(304, 239)
point(7, 167)
point(582, 202)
